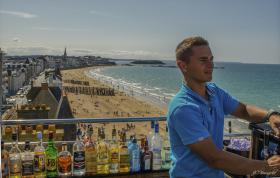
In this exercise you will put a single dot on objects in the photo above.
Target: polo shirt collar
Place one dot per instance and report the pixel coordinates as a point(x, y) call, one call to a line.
point(210, 91)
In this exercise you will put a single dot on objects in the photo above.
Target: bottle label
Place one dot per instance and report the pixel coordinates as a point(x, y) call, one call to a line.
point(90, 161)
point(51, 163)
point(114, 157)
point(64, 164)
point(147, 163)
point(124, 158)
point(79, 160)
point(90, 156)
point(167, 157)
point(27, 167)
point(156, 159)
point(102, 154)
point(39, 162)
point(15, 166)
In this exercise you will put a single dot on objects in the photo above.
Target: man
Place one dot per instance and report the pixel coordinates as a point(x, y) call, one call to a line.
point(196, 117)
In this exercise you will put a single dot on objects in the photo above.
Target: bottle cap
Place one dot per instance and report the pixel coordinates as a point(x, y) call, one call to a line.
point(39, 135)
point(156, 128)
point(152, 124)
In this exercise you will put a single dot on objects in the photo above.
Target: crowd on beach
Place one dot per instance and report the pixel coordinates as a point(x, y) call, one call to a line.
point(85, 102)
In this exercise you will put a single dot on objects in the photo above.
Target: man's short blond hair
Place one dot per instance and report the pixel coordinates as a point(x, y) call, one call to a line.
point(184, 49)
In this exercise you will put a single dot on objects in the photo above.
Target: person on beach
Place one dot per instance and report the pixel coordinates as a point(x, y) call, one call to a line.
point(196, 120)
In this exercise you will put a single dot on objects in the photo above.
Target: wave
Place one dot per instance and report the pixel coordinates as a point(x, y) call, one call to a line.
point(153, 94)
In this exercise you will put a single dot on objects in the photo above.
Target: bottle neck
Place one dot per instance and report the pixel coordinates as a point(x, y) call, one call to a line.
point(41, 142)
point(51, 143)
point(64, 147)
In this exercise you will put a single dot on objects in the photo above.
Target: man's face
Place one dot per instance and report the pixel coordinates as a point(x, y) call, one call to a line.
point(200, 66)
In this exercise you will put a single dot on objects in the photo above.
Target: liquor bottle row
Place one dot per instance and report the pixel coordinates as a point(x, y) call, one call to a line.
point(88, 156)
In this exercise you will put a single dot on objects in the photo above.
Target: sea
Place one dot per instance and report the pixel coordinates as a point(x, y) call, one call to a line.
point(256, 84)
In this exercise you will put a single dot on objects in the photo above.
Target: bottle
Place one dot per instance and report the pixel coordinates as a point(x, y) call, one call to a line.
point(4, 161)
point(64, 161)
point(151, 134)
point(102, 154)
point(79, 156)
point(39, 158)
point(90, 153)
point(134, 154)
point(156, 148)
point(14, 158)
point(265, 151)
point(114, 153)
point(146, 159)
point(27, 160)
point(124, 155)
point(51, 157)
point(165, 154)
point(142, 144)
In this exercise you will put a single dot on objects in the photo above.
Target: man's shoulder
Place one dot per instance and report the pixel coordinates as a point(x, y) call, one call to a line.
point(214, 88)
point(182, 102)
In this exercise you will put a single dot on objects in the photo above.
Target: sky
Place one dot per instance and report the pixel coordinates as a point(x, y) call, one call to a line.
point(238, 31)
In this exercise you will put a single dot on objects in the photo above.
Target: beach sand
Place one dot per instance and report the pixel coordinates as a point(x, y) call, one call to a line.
point(120, 105)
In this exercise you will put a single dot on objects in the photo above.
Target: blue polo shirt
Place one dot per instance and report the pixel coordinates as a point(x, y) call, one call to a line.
point(190, 119)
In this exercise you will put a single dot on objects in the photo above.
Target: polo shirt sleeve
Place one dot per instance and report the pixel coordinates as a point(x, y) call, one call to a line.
point(188, 123)
point(229, 103)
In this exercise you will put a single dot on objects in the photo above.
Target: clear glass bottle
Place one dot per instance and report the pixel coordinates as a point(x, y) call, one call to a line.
point(102, 154)
point(64, 161)
point(134, 154)
point(156, 148)
point(114, 152)
point(4, 161)
point(151, 134)
point(90, 153)
point(51, 157)
point(165, 153)
point(39, 158)
point(27, 160)
point(79, 156)
point(146, 159)
point(124, 155)
point(15, 158)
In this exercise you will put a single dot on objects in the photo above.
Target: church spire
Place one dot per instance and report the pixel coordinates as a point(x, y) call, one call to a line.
point(65, 54)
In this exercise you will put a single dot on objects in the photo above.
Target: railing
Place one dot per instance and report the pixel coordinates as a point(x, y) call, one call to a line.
point(80, 120)
point(95, 120)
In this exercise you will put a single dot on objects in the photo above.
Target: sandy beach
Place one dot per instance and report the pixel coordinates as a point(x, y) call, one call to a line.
point(93, 105)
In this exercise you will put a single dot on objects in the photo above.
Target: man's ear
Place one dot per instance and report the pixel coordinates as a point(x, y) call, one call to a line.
point(182, 65)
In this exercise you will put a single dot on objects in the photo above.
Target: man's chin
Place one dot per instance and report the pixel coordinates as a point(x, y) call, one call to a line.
point(209, 79)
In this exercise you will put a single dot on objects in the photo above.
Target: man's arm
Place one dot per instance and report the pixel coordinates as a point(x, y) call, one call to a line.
point(229, 162)
point(250, 113)
point(255, 114)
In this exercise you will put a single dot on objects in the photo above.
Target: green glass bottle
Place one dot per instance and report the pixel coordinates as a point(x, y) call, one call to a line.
point(51, 157)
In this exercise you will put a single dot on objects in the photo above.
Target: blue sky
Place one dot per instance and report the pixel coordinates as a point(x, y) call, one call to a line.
point(238, 31)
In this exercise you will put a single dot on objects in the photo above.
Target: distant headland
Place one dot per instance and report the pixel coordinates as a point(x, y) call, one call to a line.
point(147, 62)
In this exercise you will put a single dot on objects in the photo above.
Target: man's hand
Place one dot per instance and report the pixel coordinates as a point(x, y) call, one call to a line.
point(274, 121)
point(274, 164)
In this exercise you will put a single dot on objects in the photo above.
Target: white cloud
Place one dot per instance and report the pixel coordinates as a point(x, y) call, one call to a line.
point(19, 14)
point(17, 40)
